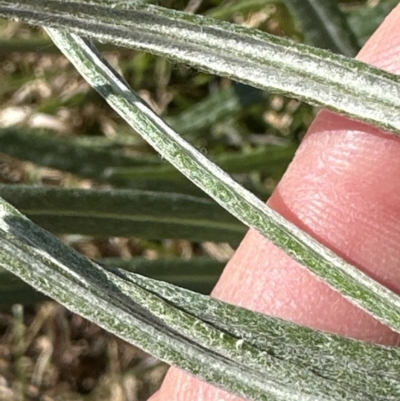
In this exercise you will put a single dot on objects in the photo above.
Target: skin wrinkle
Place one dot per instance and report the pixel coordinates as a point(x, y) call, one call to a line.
point(387, 58)
point(257, 288)
point(304, 307)
point(366, 236)
point(324, 215)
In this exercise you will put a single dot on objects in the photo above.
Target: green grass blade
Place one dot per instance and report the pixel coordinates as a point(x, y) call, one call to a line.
point(315, 76)
point(65, 154)
point(154, 215)
point(324, 25)
point(143, 318)
point(38, 45)
point(228, 9)
point(340, 275)
point(197, 274)
point(15, 291)
point(86, 160)
point(215, 108)
point(270, 158)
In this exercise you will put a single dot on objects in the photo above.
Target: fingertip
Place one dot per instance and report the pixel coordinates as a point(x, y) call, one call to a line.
point(342, 188)
point(383, 48)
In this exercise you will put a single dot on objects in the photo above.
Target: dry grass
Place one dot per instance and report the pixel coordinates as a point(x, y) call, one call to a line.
point(48, 353)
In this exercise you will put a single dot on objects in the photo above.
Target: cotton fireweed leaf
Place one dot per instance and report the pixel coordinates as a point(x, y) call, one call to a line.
point(279, 65)
point(144, 318)
point(355, 363)
point(340, 275)
point(126, 213)
point(197, 274)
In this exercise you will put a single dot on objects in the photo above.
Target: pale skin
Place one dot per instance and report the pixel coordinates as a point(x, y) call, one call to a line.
point(343, 188)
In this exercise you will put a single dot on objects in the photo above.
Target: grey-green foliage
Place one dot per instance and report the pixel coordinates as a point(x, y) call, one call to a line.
point(216, 107)
point(287, 362)
point(271, 158)
point(154, 215)
point(196, 274)
point(106, 163)
point(229, 50)
point(65, 154)
point(217, 342)
point(342, 276)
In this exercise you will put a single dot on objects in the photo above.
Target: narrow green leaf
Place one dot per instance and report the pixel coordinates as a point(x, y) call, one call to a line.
point(324, 25)
point(65, 154)
point(155, 215)
point(38, 45)
point(228, 9)
point(340, 275)
point(328, 355)
point(143, 318)
point(269, 158)
point(15, 291)
point(315, 76)
point(197, 274)
point(86, 160)
point(214, 108)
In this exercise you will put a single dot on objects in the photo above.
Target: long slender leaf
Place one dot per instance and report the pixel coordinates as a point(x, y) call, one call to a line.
point(143, 318)
point(340, 275)
point(39, 45)
point(197, 274)
point(140, 172)
point(324, 25)
point(249, 56)
point(216, 107)
point(356, 19)
point(228, 9)
point(86, 160)
point(269, 158)
point(154, 215)
point(106, 165)
point(231, 361)
point(327, 355)
point(15, 291)
point(66, 155)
